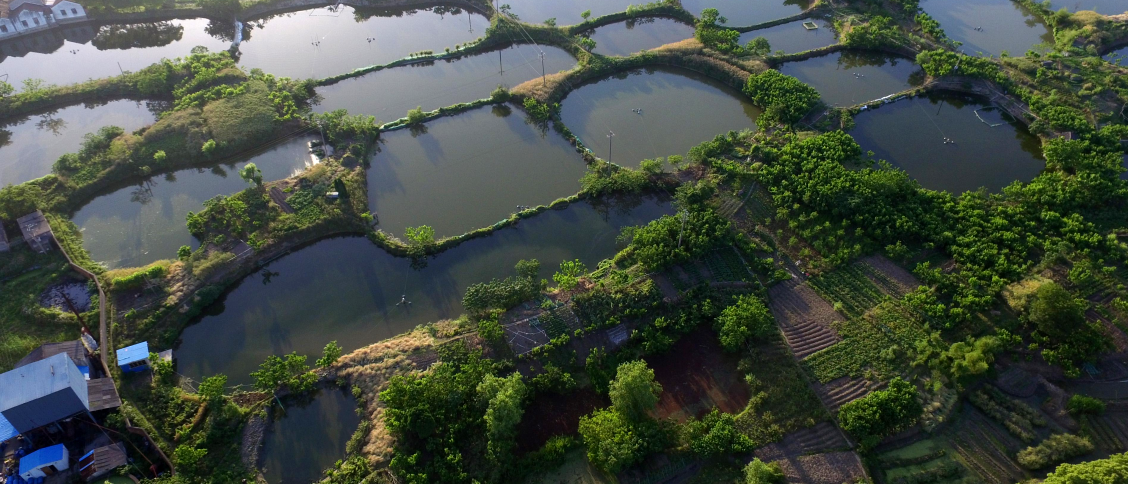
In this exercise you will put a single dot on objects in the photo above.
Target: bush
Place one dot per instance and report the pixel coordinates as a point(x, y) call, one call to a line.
point(1079, 404)
point(554, 380)
point(416, 116)
point(747, 318)
point(1055, 449)
point(1110, 470)
point(784, 98)
point(139, 278)
point(613, 443)
point(881, 413)
point(758, 471)
point(716, 435)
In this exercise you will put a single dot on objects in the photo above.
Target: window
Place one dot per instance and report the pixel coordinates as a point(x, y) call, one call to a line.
point(35, 20)
point(73, 11)
point(64, 12)
point(24, 22)
point(4, 28)
point(136, 364)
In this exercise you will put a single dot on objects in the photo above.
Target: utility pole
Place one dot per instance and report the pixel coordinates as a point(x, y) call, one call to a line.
point(610, 135)
point(683, 215)
point(542, 68)
point(470, 21)
point(501, 71)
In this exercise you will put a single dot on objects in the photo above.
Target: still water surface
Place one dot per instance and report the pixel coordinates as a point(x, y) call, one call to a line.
point(309, 436)
point(29, 146)
point(1005, 25)
point(792, 37)
point(680, 109)
point(743, 13)
point(139, 224)
point(467, 171)
point(631, 36)
point(1105, 7)
point(347, 289)
point(388, 94)
point(566, 12)
point(847, 78)
point(909, 134)
point(1119, 56)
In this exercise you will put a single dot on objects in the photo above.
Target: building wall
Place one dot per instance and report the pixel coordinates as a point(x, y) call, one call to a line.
point(7, 29)
point(30, 21)
point(65, 12)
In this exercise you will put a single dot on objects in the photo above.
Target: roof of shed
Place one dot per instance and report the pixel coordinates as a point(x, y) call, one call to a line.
point(73, 349)
point(38, 379)
point(42, 456)
point(133, 353)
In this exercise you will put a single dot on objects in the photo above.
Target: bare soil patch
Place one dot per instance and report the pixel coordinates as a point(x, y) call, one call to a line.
point(892, 272)
point(697, 376)
point(804, 317)
point(551, 415)
point(837, 467)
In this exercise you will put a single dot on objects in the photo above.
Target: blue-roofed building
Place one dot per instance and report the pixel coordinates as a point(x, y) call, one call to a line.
point(134, 358)
point(42, 393)
point(44, 462)
point(7, 431)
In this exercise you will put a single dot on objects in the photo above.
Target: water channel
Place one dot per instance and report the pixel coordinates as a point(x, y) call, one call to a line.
point(988, 148)
point(29, 146)
point(848, 78)
point(139, 224)
point(792, 37)
point(462, 172)
point(347, 289)
point(309, 436)
point(388, 94)
point(631, 36)
point(743, 13)
point(990, 27)
point(679, 109)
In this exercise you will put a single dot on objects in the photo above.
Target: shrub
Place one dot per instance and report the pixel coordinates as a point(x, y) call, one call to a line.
point(139, 278)
point(1079, 404)
point(1110, 470)
point(881, 413)
point(784, 98)
point(612, 442)
point(634, 391)
point(716, 435)
point(416, 116)
point(1055, 449)
point(569, 275)
point(758, 471)
point(554, 380)
point(747, 318)
point(500, 95)
point(490, 330)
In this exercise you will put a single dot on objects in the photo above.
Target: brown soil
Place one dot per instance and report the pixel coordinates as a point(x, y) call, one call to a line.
point(804, 317)
point(839, 467)
point(551, 415)
point(697, 376)
point(906, 280)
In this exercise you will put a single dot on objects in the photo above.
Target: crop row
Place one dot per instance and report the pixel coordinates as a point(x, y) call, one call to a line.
point(879, 340)
point(1017, 425)
point(849, 289)
point(725, 265)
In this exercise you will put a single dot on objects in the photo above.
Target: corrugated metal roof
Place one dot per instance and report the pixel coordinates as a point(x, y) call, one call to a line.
point(43, 392)
point(133, 353)
point(7, 431)
point(72, 348)
point(42, 456)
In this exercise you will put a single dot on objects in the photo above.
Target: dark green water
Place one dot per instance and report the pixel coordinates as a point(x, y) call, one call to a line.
point(847, 78)
point(308, 436)
point(139, 224)
point(743, 13)
point(1005, 25)
point(909, 133)
point(29, 146)
point(792, 37)
point(467, 171)
point(390, 93)
point(680, 109)
point(346, 289)
point(631, 36)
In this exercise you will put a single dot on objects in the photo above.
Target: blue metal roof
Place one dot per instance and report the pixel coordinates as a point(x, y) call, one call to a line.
point(41, 392)
point(7, 431)
point(42, 456)
point(133, 353)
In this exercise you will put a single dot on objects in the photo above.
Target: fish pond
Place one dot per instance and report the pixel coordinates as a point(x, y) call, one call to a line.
point(654, 113)
point(743, 13)
point(138, 224)
point(990, 27)
point(792, 37)
point(847, 78)
point(389, 93)
point(633, 35)
point(347, 289)
point(564, 12)
point(951, 142)
point(29, 146)
point(308, 434)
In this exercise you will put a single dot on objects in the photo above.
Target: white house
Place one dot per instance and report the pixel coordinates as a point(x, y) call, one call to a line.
point(8, 29)
point(29, 15)
point(66, 11)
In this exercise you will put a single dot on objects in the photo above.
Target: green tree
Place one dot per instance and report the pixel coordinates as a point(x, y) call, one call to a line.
point(208, 148)
point(500, 94)
point(211, 388)
point(758, 471)
point(490, 330)
point(189, 463)
point(529, 269)
point(1054, 311)
point(329, 354)
point(504, 396)
point(569, 275)
point(881, 413)
point(1114, 469)
point(252, 175)
point(759, 46)
point(183, 253)
point(420, 236)
point(611, 440)
point(551, 22)
point(416, 116)
point(160, 156)
point(634, 391)
point(6, 89)
point(586, 14)
point(292, 372)
point(651, 166)
point(1080, 404)
point(716, 435)
point(1057, 448)
point(747, 318)
point(553, 379)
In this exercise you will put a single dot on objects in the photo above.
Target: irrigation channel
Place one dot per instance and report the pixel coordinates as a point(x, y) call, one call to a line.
point(743, 13)
point(347, 289)
point(30, 145)
point(308, 435)
point(649, 111)
point(141, 223)
point(792, 37)
point(990, 27)
point(847, 78)
point(633, 35)
point(987, 148)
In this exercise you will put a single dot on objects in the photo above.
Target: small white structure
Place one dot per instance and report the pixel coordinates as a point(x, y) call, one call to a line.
point(45, 462)
point(67, 11)
point(29, 15)
point(8, 29)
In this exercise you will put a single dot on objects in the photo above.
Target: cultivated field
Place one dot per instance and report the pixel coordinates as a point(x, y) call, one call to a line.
point(804, 317)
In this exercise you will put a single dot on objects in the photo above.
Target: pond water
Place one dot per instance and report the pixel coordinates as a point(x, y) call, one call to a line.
point(680, 109)
point(909, 134)
point(29, 146)
point(743, 13)
point(1005, 25)
point(262, 316)
point(1105, 7)
point(566, 12)
point(463, 172)
point(142, 223)
point(1119, 56)
point(792, 37)
point(323, 42)
point(631, 36)
point(389, 94)
point(847, 78)
point(76, 53)
point(309, 436)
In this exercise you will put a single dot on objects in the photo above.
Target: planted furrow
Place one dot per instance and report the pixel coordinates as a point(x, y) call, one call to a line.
point(969, 459)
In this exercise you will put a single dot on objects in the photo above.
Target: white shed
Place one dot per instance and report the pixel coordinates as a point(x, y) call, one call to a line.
point(67, 11)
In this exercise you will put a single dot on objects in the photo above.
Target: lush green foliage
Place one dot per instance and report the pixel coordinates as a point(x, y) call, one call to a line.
point(1055, 449)
point(784, 98)
point(758, 471)
point(881, 413)
point(1114, 469)
point(613, 442)
point(1080, 404)
point(716, 435)
point(569, 275)
point(745, 319)
point(330, 354)
point(634, 391)
point(668, 240)
point(290, 372)
point(503, 294)
point(137, 279)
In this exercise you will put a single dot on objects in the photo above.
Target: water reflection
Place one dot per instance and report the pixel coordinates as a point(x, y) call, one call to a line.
point(743, 13)
point(990, 27)
point(565, 13)
point(847, 78)
point(634, 35)
point(308, 435)
point(792, 37)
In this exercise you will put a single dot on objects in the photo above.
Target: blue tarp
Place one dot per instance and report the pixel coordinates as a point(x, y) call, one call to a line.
point(41, 457)
point(7, 431)
point(133, 353)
